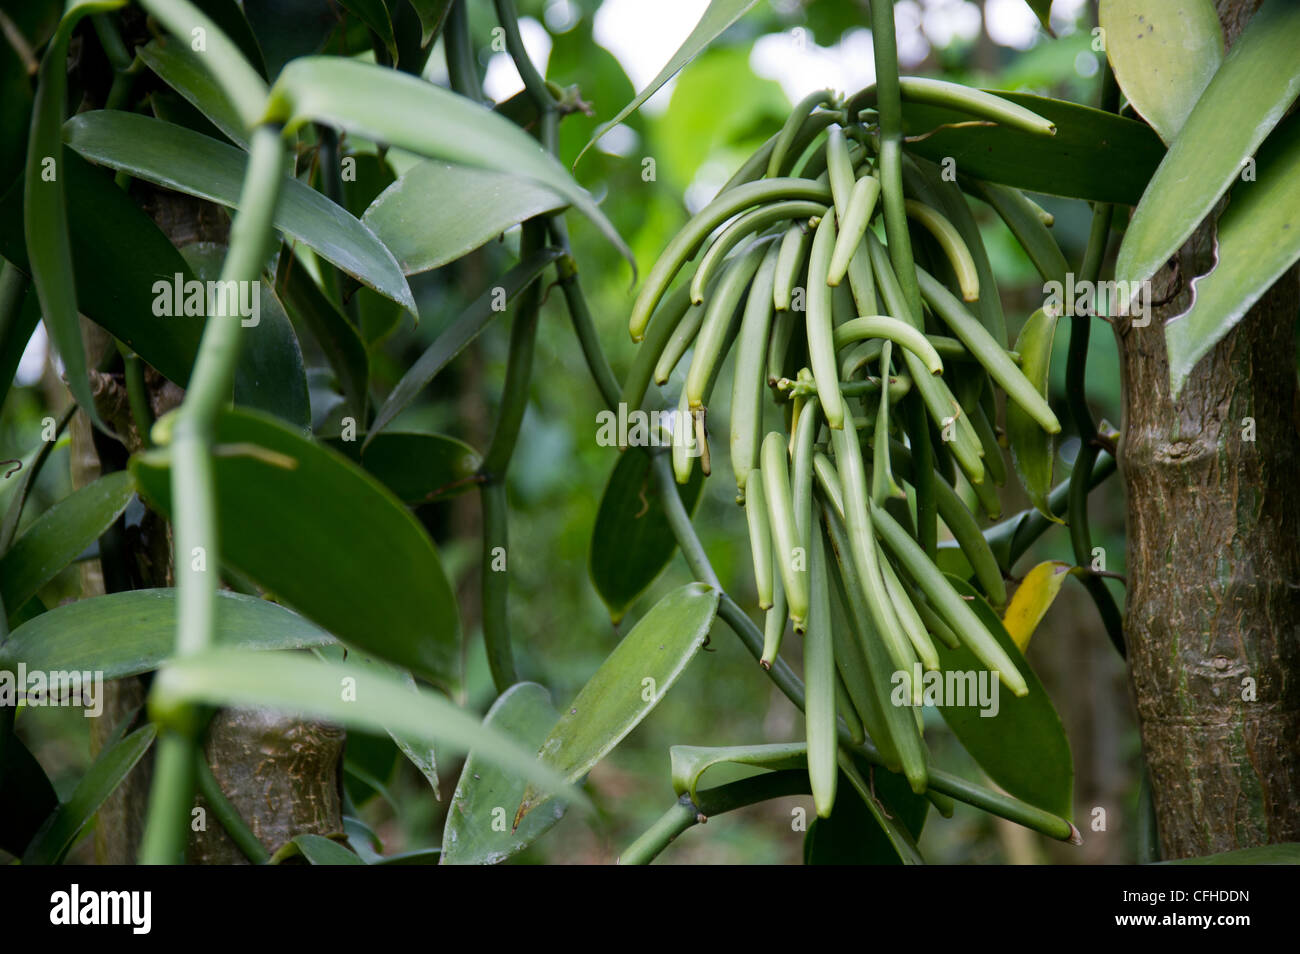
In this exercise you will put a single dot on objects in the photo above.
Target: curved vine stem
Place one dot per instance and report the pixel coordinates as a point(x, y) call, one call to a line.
point(193, 491)
point(1076, 377)
point(461, 67)
point(523, 337)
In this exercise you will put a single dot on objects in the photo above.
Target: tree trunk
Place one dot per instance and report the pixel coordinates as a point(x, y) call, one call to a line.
point(1213, 524)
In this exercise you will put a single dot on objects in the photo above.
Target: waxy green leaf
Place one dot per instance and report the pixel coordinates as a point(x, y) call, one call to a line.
point(1094, 155)
point(326, 538)
point(418, 468)
point(269, 375)
point(100, 781)
point(387, 106)
point(628, 684)
point(347, 694)
point(118, 254)
point(1164, 53)
point(181, 159)
point(432, 14)
point(475, 833)
point(437, 212)
point(1031, 446)
point(1022, 746)
point(631, 542)
point(1249, 95)
point(59, 535)
point(1258, 240)
point(133, 632)
point(455, 339)
point(184, 71)
point(45, 217)
point(336, 336)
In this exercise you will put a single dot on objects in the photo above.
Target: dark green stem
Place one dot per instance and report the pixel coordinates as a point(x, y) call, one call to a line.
point(496, 585)
point(712, 801)
point(889, 103)
point(580, 314)
point(329, 166)
point(508, 17)
point(1026, 527)
point(228, 814)
point(1076, 390)
point(514, 401)
point(137, 393)
point(461, 64)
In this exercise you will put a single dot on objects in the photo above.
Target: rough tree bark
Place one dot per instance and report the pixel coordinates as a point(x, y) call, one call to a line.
point(1213, 524)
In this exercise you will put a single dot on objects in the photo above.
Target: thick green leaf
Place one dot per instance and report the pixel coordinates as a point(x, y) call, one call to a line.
point(118, 253)
point(690, 762)
point(1031, 446)
point(318, 850)
point(1043, 10)
point(133, 632)
point(100, 781)
point(26, 796)
point(478, 830)
point(336, 336)
point(230, 60)
point(1164, 53)
point(365, 177)
point(1259, 239)
point(61, 533)
point(33, 21)
point(407, 112)
point(437, 212)
point(348, 694)
point(269, 375)
point(230, 20)
point(1094, 155)
point(432, 14)
point(1023, 747)
point(628, 684)
point(1249, 95)
point(631, 542)
point(183, 70)
point(178, 158)
point(719, 15)
point(374, 14)
point(287, 29)
point(45, 216)
point(327, 539)
point(852, 836)
point(455, 339)
point(418, 468)
point(1284, 853)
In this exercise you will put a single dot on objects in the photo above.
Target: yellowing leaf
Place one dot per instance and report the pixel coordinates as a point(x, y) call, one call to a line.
point(1032, 600)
